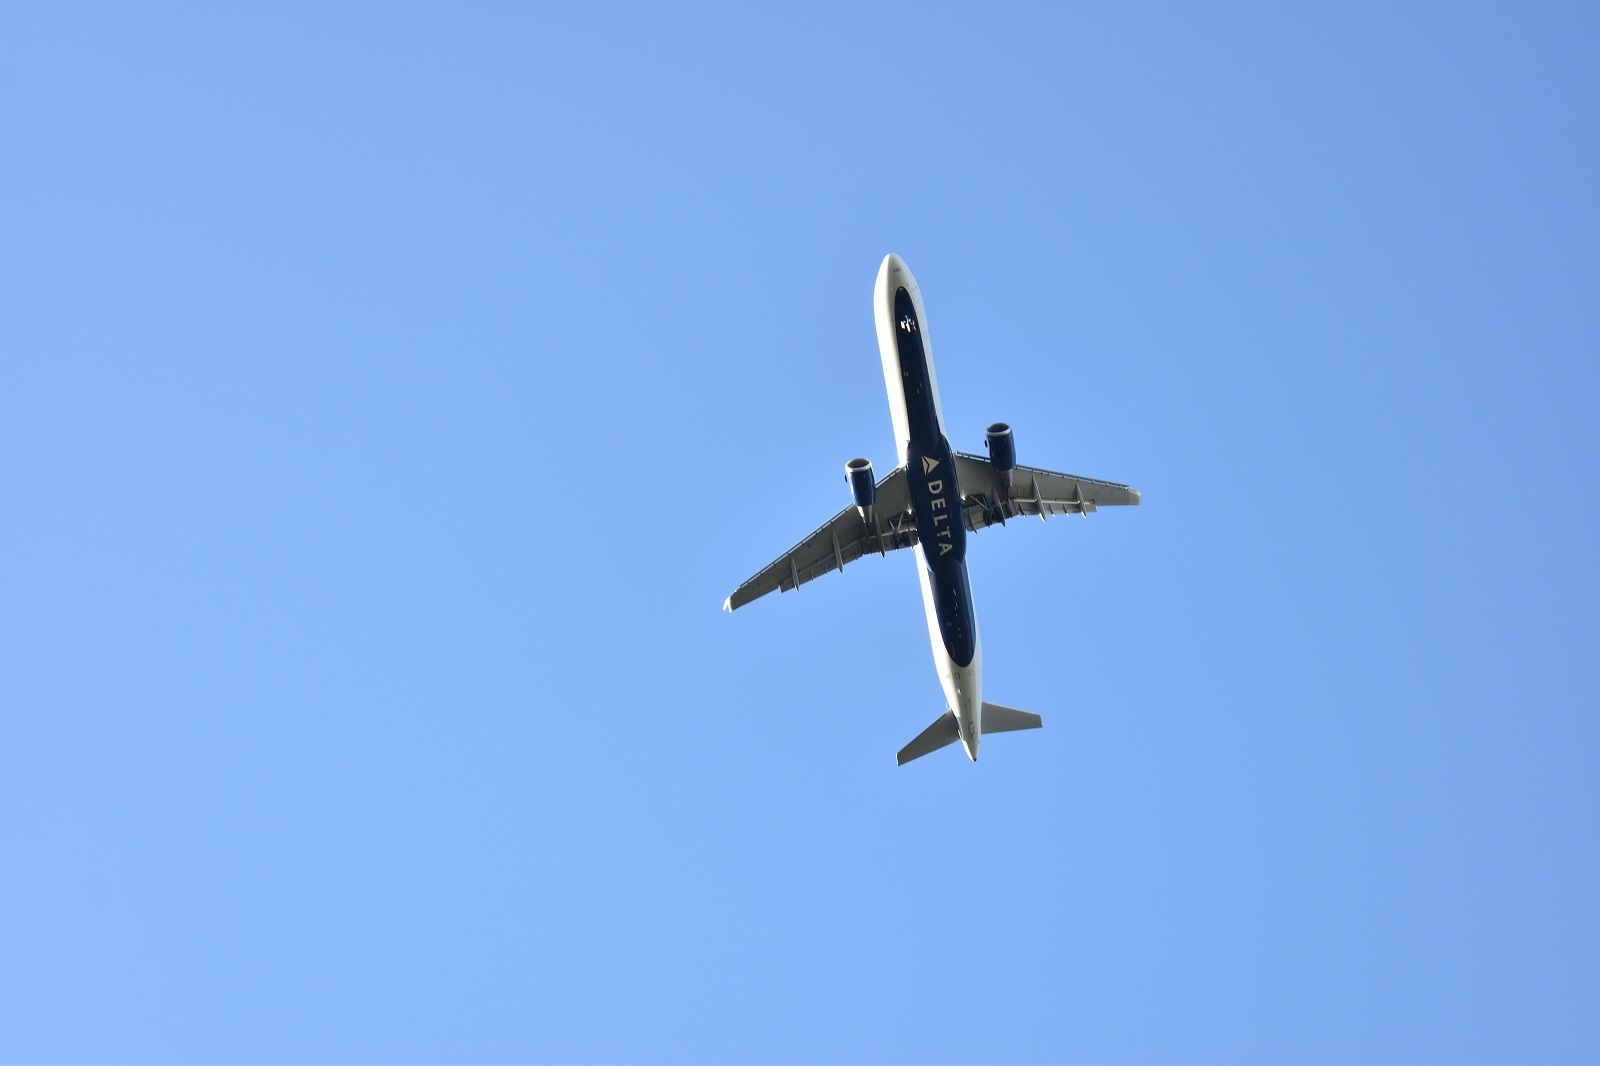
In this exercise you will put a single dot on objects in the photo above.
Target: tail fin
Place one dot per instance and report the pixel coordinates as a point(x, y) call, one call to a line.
point(998, 719)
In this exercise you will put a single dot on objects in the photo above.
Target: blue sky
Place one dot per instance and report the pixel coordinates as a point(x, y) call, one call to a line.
point(391, 394)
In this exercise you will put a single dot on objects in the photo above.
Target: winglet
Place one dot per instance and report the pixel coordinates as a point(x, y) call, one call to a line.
point(727, 605)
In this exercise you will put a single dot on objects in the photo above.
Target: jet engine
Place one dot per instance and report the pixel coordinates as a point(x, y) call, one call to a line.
point(1002, 449)
point(863, 489)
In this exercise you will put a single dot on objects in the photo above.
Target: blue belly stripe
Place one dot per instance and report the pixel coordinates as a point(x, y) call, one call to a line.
point(935, 493)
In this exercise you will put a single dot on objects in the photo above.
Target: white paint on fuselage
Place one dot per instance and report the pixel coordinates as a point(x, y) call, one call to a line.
point(963, 686)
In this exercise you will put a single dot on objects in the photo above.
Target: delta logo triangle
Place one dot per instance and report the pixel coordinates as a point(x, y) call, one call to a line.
point(929, 464)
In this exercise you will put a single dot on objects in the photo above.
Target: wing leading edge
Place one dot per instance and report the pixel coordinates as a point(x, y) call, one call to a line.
point(844, 538)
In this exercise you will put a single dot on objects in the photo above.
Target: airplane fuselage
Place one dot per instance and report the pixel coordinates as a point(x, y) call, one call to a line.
point(936, 497)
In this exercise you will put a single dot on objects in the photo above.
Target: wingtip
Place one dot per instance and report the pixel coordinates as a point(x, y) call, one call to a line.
point(727, 605)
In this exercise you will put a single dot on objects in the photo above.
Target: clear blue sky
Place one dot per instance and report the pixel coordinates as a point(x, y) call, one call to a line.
point(389, 396)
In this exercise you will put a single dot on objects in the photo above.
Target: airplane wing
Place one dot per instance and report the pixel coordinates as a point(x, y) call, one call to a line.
point(989, 497)
point(843, 538)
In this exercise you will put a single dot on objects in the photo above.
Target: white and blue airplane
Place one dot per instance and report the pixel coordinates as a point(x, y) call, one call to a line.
point(933, 498)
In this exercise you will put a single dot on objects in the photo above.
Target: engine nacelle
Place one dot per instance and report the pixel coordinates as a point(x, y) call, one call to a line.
point(1002, 449)
point(863, 487)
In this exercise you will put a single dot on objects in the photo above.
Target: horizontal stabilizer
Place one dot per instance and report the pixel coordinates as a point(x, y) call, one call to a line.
point(943, 731)
point(998, 719)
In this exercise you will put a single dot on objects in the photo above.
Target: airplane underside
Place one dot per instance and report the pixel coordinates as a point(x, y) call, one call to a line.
point(923, 504)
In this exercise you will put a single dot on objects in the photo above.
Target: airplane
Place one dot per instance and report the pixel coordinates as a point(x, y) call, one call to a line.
point(934, 498)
